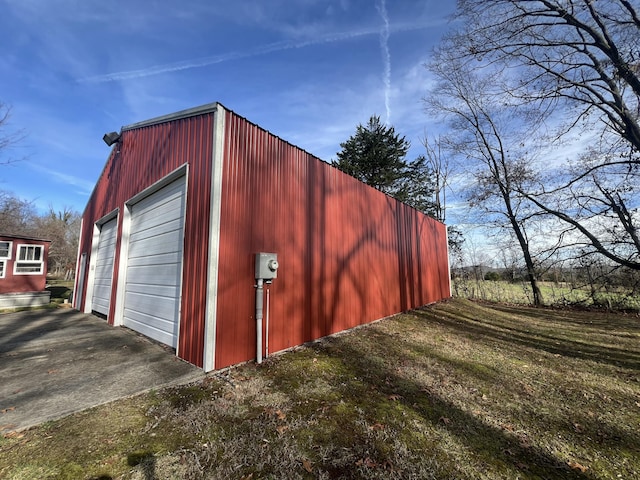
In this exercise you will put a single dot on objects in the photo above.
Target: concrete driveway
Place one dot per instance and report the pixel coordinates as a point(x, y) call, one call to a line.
point(53, 363)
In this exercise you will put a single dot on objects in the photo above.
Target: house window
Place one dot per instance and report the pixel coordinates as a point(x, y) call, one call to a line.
point(5, 250)
point(2, 267)
point(29, 260)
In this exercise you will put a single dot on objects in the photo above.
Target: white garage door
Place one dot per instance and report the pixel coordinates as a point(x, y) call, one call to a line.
point(101, 296)
point(154, 265)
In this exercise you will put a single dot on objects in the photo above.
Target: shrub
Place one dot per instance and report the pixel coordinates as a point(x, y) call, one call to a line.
point(493, 276)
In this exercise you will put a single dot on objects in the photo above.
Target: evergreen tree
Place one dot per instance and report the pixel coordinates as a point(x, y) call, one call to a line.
point(375, 155)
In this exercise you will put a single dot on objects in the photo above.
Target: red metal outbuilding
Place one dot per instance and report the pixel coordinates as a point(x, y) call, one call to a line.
point(184, 203)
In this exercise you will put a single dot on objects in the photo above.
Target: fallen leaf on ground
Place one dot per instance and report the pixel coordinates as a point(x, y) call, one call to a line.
point(282, 428)
point(445, 420)
point(367, 462)
point(8, 409)
point(395, 397)
point(307, 465)
point(577, 466)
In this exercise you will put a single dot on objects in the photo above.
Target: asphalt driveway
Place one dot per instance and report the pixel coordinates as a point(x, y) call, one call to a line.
point(54, 363)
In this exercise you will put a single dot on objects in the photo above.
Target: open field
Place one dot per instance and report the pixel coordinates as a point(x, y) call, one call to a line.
point(456, 390)
point(554, 294)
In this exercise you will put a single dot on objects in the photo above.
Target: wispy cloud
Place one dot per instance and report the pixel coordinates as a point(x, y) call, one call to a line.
point(386, 56)
point(263, 50)
point(82, 186)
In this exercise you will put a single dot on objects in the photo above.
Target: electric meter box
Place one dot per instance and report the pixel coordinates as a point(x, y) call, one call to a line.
point(267, 265)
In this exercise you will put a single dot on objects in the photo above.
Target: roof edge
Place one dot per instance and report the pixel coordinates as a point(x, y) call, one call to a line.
point(190, 112)
point(24, 237)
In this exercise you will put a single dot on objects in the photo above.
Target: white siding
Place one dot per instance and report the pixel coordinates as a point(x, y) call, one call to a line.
point(104, 267)
point(154, 264)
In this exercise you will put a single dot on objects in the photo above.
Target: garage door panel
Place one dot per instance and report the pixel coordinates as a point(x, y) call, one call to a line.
point(159, 198)
point(154, 264)
point(157, 230)
point(103, 271)
point(146, 329)
point(102, 284)
point(159, 290)
point(161, 309)
point(100, 305)
point(147, 260)
point(164, 327)
point(155, 275)
point(153, 246)
point(150, 218)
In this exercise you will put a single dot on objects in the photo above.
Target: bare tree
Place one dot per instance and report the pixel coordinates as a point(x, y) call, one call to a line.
point(17, 216)
point(600, 208)
point(63, 229)
point(485, 135)
point(440, 169)
point(579, 53)
point(7, 138)
point(578, 60)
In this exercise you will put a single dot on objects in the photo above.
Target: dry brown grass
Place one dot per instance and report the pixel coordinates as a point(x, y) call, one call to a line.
point(454, 390)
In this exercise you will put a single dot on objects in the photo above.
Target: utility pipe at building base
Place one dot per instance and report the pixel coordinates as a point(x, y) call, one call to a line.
point(266, 334)
point(259, 304)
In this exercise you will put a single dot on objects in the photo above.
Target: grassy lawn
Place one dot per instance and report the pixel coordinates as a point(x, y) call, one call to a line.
point(458, 390)
point(553, 294)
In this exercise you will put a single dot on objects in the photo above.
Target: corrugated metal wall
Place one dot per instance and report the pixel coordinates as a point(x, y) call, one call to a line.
point(147, 154)
point(348, 254)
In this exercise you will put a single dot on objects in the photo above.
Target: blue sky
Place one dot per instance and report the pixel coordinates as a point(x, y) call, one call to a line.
point(307, 70)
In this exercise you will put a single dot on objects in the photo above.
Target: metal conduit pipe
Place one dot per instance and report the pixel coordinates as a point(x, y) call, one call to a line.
point(259, 304)
point(266, 334)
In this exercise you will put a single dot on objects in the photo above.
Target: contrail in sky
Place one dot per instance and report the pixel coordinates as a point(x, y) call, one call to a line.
point(386, 57)
point(263, 50)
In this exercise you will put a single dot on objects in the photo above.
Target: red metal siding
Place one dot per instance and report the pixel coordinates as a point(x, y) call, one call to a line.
point(148, 154)
point(23, 283)
point(348, 254)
